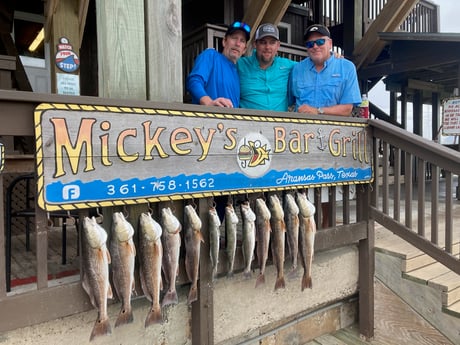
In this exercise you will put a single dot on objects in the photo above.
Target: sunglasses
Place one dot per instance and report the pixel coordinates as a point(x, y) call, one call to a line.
point(319, 42)
point(240, 25)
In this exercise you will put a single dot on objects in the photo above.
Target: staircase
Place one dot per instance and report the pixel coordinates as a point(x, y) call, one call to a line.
point(428, 287)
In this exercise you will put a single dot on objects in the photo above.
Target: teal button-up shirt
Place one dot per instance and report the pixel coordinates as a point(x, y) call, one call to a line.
point(264, 89)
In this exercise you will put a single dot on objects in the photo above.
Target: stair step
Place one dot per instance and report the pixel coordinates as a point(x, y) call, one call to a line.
point(453, 310)
point(326, 339)
point(451, 297)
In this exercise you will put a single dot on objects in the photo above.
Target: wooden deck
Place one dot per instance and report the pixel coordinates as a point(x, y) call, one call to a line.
point(23, 262)
point(396, 323)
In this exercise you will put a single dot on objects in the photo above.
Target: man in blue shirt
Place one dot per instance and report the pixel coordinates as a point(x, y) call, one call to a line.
point(322, 83)
point(264, 76)
point(214, 78)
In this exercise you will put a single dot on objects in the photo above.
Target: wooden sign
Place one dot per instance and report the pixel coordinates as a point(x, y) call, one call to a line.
point(92, 156)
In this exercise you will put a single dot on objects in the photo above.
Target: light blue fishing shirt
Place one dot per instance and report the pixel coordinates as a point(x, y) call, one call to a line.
point(215, 76)
point(336, 83)
point(265, 89)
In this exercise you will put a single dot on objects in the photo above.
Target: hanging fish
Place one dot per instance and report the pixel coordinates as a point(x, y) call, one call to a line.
point(249, 236)
point(263, 230)
point(171, 242)
point(291, 215)
point(231, 221)
point(307, 231)
point(193, 239)
point(150, 258)
point(123, 253)
point(278, 239)
point(95, 273)
point(214, 239)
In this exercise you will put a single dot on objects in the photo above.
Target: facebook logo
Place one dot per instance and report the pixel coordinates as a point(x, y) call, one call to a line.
point(71, 192)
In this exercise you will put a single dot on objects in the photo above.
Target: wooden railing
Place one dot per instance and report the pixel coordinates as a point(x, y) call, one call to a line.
point(423, 18)
point(408, 156)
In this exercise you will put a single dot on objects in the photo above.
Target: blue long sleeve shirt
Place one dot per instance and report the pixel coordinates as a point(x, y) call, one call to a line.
point(265, 89)
point(336, 83)
point(215, 76)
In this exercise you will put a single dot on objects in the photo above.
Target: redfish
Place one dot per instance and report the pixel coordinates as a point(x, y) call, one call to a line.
point(291, 216)
point(307, 231)
point(278, 239)
point(123, 253)
point(171, 242)
point(192, 239)
point(95, 273)
point(150, 258)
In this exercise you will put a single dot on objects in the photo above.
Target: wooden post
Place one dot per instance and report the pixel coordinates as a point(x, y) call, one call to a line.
point(65, 24)
point(366, 271)
point(203, 309)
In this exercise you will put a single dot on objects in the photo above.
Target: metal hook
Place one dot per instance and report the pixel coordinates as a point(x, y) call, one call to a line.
point(70, 219)
point(211, 202)
point(50, 222)
point(150, 210)
point(125, 211)
point(100, 216)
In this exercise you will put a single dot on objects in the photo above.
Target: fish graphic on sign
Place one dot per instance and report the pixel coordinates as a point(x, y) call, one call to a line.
point(254, 153)
point(66, 59)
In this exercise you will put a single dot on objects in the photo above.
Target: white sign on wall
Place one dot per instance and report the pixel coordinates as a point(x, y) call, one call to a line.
point(451, 116)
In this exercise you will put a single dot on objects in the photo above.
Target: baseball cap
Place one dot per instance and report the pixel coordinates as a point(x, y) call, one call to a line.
point(239, 26)
point(265, 30)
point(316, 28)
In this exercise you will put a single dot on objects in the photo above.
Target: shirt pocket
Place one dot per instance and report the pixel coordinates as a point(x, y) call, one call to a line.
point(330, 92)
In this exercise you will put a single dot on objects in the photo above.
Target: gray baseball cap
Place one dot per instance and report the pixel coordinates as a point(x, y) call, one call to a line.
point(265, 30)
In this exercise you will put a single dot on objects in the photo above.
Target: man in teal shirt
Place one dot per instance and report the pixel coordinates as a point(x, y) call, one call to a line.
point(264, 76)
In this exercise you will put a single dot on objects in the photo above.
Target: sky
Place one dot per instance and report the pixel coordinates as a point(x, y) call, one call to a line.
point(449, 22)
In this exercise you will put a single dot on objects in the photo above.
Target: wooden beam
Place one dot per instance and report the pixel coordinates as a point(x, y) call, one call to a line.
point(424, 85)
point(255, 13)
point(50, 10)
point(82, 12)
point(267, 11)
point(275, 11)
point(390, 18)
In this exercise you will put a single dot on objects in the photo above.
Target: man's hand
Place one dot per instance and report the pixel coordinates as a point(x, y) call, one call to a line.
point(218, 102)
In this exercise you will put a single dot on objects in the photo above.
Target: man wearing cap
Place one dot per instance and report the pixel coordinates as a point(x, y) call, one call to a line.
point(214, 78)
point(322, 83)
point(264, 76)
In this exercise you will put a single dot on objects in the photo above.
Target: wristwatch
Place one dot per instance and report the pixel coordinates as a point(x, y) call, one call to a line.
point(320, 110)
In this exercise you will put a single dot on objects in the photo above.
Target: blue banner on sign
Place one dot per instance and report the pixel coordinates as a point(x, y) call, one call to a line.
point(78, 191)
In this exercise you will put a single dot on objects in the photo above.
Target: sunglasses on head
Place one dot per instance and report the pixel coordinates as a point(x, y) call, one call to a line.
point(319, 42)
point(240, 25)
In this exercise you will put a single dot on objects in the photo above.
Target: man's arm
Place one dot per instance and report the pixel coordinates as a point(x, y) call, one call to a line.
point(339, 109)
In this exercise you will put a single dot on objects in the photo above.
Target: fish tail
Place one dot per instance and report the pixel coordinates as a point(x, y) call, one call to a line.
point(293, 273)
point(153, 317)
point(124, 317)
point(306, 282)
point(192, 295)
point(280, 283)
point(101, 327)
point(260, 280)
point(247, 274)
point(170, 298)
